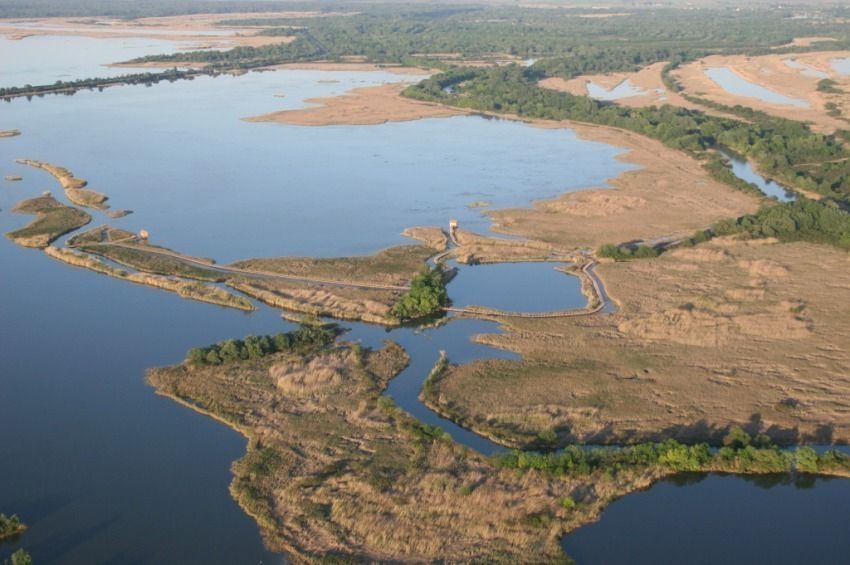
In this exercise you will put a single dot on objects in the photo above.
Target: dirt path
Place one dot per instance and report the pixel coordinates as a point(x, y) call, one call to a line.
point(249, 273)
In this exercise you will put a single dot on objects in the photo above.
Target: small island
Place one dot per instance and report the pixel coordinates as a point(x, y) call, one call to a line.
point(74, 187)
point(53, 220)
point(11, 526)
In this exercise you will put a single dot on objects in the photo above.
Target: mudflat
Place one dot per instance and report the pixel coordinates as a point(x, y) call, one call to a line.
point(361, 106)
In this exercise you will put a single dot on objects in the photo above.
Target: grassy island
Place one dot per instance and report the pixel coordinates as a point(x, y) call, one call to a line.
point(194, 290)
point(335, 471)
point(74, 187)
point(53, 220)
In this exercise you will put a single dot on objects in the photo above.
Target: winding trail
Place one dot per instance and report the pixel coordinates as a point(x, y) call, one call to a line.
point(477, 311)
point(246, 272)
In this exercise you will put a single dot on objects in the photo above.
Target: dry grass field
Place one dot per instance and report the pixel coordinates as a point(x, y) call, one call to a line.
point(750, 333)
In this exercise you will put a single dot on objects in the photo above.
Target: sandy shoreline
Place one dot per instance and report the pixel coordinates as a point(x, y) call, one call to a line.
point(362, 106)
point(670, 194)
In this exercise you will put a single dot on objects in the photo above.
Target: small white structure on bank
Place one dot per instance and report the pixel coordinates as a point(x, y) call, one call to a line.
point(453, 230)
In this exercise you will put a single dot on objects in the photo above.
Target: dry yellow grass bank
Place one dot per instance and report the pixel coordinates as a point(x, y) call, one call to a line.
point(728, 332)
point(361, 106)
point(669, 194)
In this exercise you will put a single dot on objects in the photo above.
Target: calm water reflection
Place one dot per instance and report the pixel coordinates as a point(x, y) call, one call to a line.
point(713, 519)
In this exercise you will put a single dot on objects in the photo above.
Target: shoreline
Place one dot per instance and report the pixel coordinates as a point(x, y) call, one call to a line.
point(370, 105)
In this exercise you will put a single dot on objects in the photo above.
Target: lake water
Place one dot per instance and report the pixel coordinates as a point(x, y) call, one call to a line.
point(203, 181)
point(709, 519)
point(44, 59)
point(523, 287)
point(733, 83)
point(100, 468)
point(625, 89)
point(104, 470)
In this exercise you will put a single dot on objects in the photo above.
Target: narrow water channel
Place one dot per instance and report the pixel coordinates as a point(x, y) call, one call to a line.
point(744, 170)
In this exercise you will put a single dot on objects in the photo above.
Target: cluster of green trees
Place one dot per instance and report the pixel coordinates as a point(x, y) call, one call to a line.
point(801, 220)
point(571, 42)
point(565, 42)
point(305, 338)
point(829, 86)
point(427, 295)
point(10, 526)
point(625, 252)
point(740, 453)
point(784, 149)
point(170, 75)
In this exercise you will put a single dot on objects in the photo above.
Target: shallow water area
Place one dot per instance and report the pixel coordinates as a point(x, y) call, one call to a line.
point(625, 89)
point(708, 519)
point(806, 70)
point(44, 59)
point(841, 66)
point(735, 84)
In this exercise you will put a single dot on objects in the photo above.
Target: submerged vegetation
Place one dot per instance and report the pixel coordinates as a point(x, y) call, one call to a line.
point(20, 557)
point(11, 526)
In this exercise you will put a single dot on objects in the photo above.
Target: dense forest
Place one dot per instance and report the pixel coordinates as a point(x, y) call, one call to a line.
point(71, 86)
point(395, 33)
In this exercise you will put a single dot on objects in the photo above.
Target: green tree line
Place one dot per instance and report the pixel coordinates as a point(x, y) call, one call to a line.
point(740, 453)
point(307, 337)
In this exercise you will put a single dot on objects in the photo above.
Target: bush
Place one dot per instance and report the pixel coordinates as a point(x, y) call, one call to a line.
point(427, 295)
point(625, 252)
point(737, 438)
